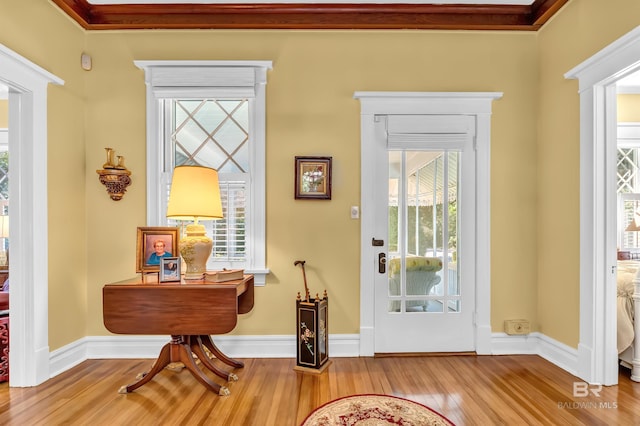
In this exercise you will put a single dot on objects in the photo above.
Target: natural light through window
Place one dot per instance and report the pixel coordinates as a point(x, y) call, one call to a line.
point(212, 114)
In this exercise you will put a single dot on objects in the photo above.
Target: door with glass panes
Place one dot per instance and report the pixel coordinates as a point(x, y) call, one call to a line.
point(424, 294)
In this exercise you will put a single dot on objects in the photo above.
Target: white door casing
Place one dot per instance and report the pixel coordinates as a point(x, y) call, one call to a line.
point(477, 104)
point(29, 331)
point(597, 76)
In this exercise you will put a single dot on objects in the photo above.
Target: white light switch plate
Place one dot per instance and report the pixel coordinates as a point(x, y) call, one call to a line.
point(355, 212)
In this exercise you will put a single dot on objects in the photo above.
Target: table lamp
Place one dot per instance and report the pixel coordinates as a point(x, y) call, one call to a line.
point(634, 225)
point(195, 195)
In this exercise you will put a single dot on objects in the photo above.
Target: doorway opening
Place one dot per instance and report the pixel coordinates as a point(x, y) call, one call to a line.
point(597, 76)
point(27, 138)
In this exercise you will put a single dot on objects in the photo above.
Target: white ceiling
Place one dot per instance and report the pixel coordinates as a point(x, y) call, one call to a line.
point(492, 2)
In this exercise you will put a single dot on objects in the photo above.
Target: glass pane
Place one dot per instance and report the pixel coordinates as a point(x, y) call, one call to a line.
point(394, 276)
point(627, 172)
point(452, 279)
point(631, 225)
point(394, 262)
point(435, 306)
point(423, 229)
point(210, 116)
point(4, 177)
point(4, 205)
point(421, 275)
point(452, 270)
point(453, 306)
point(230, 137)
point(417, 305)
point(395, 158)
point(189, 136)
point(212, 133)
point(210, 155)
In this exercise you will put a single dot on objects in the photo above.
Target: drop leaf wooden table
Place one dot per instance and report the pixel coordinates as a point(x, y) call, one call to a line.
point(189, 311)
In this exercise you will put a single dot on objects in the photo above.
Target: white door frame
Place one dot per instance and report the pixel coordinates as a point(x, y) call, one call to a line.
point(597, 357)
point(28, 269)
point(390, 103)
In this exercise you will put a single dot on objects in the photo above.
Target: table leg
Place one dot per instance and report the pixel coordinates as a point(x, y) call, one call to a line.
point(189, 362)
point(163, 360)
point(198, 348)
point(208, 343)
point(177, 350)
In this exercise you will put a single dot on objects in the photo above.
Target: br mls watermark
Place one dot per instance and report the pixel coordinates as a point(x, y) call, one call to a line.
point(584, 390)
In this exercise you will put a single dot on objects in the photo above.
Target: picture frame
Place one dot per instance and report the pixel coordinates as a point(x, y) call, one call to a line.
point(313, 178)
point(147, 254)
point(169, 269)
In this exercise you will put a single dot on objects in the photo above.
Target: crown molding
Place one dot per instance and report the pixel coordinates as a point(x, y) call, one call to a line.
point(303, 16)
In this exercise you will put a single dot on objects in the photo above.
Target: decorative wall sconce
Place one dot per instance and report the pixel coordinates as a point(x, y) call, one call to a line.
point(114, 176)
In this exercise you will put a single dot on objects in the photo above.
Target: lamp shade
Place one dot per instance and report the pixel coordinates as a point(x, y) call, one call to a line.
point(195, 194)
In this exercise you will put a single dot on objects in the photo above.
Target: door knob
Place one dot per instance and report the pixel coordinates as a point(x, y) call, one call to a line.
point(382, 263)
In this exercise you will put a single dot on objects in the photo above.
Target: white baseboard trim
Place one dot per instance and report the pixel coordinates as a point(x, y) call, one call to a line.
point(124, 346)
point(284, 346)
point(553, 351)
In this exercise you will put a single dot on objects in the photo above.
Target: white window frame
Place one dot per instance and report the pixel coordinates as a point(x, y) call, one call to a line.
point(200, 80)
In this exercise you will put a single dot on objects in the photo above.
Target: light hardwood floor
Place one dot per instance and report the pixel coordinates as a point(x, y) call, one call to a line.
point(469, 390)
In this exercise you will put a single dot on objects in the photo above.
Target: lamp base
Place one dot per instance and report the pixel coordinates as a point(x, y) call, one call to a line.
point(195, 249)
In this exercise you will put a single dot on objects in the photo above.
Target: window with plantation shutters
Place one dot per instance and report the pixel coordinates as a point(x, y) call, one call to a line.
point(215, 133)
point(211, 114)
point(228, 233)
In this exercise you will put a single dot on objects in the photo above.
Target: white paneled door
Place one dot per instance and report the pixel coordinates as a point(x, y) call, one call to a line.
point(424, 247)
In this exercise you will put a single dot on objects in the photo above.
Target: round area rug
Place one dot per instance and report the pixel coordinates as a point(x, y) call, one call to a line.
point(374, 410)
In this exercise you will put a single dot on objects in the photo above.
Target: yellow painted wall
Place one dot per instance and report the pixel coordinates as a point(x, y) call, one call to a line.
point(311, 111)
point(629, 108)
point(578, 31)
point(41, 33)
point(4, 114)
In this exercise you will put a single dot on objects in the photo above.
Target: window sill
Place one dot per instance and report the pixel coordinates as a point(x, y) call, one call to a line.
point(259, 276)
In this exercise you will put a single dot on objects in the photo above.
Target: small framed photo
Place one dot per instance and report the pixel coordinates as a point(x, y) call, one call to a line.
point(313, 178)
point(169, 269)
point(154, 244)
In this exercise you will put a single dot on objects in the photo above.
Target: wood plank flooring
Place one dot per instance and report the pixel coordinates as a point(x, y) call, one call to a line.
point(469, 390)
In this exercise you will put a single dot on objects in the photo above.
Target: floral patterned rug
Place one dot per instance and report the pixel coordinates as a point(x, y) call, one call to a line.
point(374, 410)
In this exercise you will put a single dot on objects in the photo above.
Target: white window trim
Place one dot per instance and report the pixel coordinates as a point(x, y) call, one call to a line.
point(201, 79)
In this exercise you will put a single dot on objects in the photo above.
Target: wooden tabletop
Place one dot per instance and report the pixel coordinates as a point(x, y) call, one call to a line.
point(175, 308)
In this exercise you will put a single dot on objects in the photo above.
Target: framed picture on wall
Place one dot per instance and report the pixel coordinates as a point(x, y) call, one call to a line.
point(154, 244)
point(313, 178)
